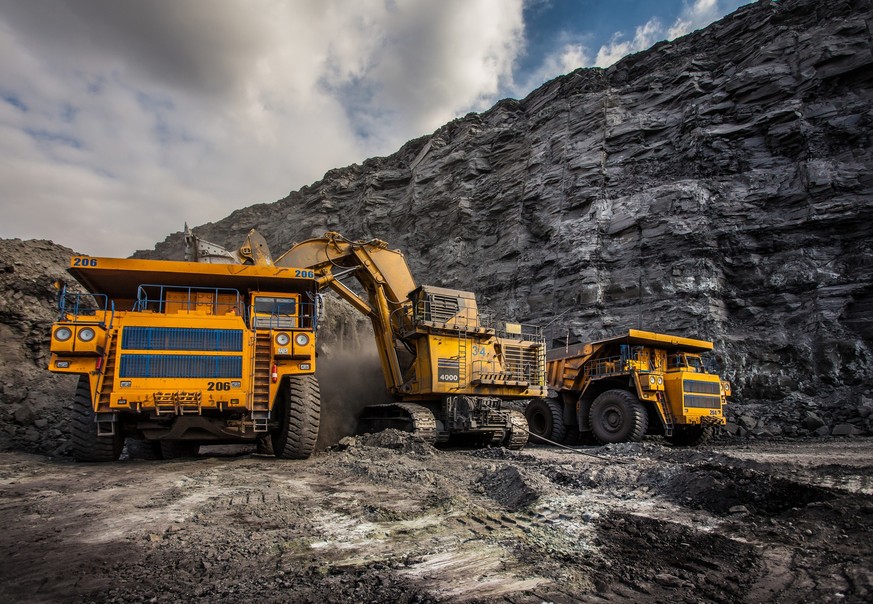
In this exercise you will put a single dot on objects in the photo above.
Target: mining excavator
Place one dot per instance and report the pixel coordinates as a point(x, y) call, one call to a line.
point(449, 370)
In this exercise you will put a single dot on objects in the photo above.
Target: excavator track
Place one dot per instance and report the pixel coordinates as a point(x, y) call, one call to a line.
point(517, 437)
point(409, 417)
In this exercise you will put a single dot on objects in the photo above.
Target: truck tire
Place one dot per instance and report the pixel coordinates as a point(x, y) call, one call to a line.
point(618, 416)
point(87, 446)
point(545, 417)
point(690, 436)
point(572, 436)
point(139, 448)
point(299, 414)
point(264, 445)
point(174, 449)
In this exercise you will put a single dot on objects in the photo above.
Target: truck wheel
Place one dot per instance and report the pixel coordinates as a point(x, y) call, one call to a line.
point(571, 436)
point(87, 446)
point(618, 416)
point(173, 449)
point(546, 420)
point(138, 448)
point(264, 445)
point(299, 413)
point(690, 436)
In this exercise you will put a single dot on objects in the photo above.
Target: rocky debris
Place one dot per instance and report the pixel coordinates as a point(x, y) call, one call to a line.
point(512, 487)
point(716, 186)
point(843, 413)
point(32, 400)
point(371, 524)
point(396, 440)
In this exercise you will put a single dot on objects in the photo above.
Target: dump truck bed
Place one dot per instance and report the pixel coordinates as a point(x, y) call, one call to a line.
point(634, 337)
point(119, 278)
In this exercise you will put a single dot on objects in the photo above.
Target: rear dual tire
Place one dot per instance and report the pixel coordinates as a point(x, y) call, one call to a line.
point(618, 416)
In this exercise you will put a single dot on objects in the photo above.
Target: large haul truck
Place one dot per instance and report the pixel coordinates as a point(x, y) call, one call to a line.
point(622, 388)
point(178, 354)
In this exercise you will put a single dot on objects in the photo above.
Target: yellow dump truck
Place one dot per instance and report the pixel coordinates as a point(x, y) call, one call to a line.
point(172, 355)
point(622, 388)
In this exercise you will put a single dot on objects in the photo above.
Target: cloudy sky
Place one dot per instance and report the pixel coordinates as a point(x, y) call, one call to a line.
point(121, 120)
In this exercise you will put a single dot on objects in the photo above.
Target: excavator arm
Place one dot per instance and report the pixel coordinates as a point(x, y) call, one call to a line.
point(382, 272)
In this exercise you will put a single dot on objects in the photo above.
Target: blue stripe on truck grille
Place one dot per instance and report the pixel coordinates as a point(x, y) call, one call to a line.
point(181, 338)
point(179, 366)
point(701, 387)
point(702, 402)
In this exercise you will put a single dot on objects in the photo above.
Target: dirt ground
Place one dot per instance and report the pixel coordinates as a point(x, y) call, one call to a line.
point(389, 519)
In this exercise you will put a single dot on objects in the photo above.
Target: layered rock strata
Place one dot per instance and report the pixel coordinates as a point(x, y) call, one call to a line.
point(718, 186)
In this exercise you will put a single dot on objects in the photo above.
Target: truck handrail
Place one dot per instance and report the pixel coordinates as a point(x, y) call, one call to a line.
point(74, 305)
point(144, 302)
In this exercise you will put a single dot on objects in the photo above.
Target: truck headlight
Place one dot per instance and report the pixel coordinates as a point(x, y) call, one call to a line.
point(62, 334)
point(652, 379)
point(282, 339)
point(660, 381)
point(86, 334)
point(301, 339)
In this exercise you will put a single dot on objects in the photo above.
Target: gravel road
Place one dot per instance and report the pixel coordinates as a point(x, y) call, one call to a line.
point(390, 519)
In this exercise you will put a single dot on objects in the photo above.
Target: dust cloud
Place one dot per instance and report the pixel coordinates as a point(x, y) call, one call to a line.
point(350, 375)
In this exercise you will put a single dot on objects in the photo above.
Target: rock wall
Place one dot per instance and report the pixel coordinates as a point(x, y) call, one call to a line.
point(31, 399)
point(717, 186)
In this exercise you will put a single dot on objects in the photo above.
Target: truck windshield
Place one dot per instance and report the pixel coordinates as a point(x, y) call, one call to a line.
point(271, 312)
point(695, 363)
point(680, 361)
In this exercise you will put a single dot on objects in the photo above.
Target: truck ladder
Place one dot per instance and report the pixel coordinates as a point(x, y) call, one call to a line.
point(260, 401)
point(106, 383)
point(462, 359)
point(665, 413)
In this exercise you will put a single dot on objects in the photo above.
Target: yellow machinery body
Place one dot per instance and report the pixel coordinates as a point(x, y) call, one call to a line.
point(665, 373)
point(450, 349)
point(185, 351)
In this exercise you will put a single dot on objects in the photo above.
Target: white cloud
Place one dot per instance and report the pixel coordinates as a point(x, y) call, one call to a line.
point(644, 36)
point(694, 16)
point(569, 57)
point(119, 121)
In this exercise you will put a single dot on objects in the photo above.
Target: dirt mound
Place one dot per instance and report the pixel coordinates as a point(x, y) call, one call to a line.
point(397, 440)
point(725, 490)
point(513, 488)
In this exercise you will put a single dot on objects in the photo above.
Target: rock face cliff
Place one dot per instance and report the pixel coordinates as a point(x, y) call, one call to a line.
point(719, 186)
point(31, 398)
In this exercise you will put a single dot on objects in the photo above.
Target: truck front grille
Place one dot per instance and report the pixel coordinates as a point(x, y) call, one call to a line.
point(179, 366)
point(702, 402)
point(701, 387)
point(181, 338)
